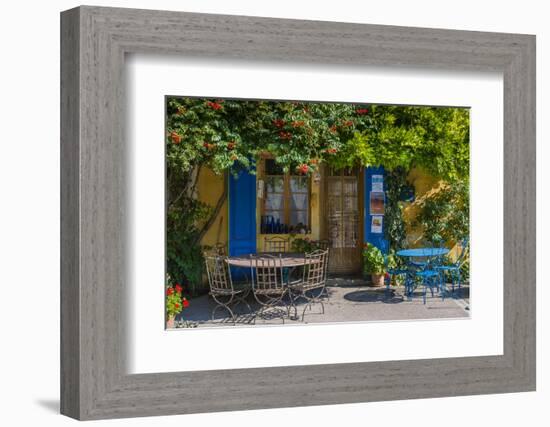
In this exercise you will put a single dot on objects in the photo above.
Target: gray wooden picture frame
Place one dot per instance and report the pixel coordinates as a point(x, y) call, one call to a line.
point(94, 382)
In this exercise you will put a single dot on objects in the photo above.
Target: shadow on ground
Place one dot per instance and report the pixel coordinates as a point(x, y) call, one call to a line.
point(377, 295)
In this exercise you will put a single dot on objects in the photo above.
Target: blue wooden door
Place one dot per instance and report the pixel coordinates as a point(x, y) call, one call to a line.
point(242, 214)
point(376, 238)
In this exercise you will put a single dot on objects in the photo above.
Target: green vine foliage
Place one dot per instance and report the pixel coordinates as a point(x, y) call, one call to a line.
point(183, 253)
point(433, 138)
point(396, 187)
point(445, 215)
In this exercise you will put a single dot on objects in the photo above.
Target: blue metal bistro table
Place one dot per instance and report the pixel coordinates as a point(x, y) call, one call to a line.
point(423, 270)
point(422, 252)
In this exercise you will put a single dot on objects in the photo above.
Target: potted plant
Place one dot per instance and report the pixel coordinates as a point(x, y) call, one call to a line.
point(175, 303)
point(373, 264)
point(303, 245)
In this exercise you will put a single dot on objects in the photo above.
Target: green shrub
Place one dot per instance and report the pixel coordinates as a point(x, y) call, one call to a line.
point(373, 260)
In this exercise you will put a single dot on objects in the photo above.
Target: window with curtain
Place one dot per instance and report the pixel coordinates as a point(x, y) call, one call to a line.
point(286, 201)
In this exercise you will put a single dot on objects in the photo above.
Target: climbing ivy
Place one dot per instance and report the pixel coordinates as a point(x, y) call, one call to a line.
point(397, 187)
point(433, 138)
point(445, 215)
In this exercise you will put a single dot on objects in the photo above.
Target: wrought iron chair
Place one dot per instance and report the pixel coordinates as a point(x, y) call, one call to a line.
point(268, 285)
point(324, 245)
point(392, 272)
point(430, 280)
point(453, 269)
point(313, 283)
point(425, 273)
point(219, 249)
point(276, 244)
point(430, 275)
point(439, 243)
point(222, 290)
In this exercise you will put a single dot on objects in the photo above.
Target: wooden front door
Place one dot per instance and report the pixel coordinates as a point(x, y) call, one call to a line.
point(343, 220)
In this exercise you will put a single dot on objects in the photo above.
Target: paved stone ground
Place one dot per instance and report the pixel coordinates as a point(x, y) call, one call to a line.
point(350, 300)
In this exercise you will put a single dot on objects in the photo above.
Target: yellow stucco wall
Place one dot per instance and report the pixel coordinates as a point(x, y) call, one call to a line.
point(209, 190)
point(424, 186)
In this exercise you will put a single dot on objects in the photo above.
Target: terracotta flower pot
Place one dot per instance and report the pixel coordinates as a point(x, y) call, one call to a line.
point(377, 279)
point(171, 322)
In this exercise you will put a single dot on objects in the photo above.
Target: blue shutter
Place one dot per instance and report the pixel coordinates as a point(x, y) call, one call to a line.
point(377, 239)
point(242, 213)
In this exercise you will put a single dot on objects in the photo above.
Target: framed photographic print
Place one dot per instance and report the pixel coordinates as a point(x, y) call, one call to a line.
point(361, 228)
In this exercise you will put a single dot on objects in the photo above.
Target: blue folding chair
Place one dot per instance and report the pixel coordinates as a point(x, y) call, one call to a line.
point(430, 274)
point(453, 269)
point(430, 280)
point(391, 272)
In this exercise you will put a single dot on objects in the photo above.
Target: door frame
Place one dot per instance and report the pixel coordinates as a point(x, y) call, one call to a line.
point(360, 208)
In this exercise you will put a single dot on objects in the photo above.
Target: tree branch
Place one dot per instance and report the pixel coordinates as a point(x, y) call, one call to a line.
point(194, 186)
point(190, 190)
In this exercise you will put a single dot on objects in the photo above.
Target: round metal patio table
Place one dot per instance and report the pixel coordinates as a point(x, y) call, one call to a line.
point(422, 252)
point(413, 266)
point(288, 259)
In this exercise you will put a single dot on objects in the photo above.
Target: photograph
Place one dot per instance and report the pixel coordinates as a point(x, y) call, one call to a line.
point(286, 212)
point(377, 200)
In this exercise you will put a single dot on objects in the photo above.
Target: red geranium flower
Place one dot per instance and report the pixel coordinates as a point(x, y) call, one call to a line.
point(214, 105)
point(298, 123)
point(279, 123)
point(231, 145)
point(333, 129)
point(285, 135)
point(348, 123)
point(169, 291)
point(331, 150)
point(185, 303)
point(177, 305)
point(303, 168)
point(362, 111)
point(178, 288)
